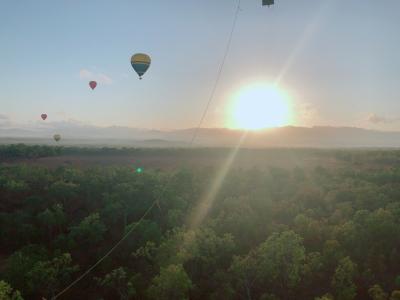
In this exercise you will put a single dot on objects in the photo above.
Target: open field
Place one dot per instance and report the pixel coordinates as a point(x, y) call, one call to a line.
point(176, 158)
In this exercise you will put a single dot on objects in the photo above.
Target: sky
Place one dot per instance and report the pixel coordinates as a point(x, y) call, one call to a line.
point(337, 60)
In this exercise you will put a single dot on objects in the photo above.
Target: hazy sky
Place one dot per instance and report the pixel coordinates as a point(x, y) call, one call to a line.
point(338, 60)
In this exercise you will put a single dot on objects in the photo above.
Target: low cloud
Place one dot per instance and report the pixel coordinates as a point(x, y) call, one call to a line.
point(85, 74)
point(101, 78)
point(376, 119)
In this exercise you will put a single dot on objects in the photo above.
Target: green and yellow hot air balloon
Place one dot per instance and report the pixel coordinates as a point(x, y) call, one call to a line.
point(140, 63)
point(268, 2)
point(57, 137)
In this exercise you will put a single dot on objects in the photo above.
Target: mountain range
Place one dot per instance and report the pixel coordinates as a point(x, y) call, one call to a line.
point(289, 136)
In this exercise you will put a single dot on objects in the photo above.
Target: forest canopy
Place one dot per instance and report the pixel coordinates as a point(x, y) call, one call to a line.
point(270, 233)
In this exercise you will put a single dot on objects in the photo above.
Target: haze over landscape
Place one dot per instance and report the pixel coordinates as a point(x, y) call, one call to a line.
point(331, 61)
point(200, 150)
point(318, 137)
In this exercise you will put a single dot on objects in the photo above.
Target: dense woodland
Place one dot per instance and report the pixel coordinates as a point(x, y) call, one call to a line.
point(271, 233)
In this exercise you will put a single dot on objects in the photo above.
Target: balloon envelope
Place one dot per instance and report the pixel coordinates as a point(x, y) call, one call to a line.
point(92, 84)
point(140, 63)
point(267, 2)
point(57, 137)
point(44, 116)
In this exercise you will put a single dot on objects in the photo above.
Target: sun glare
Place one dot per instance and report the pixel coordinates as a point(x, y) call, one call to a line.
point(260, 106)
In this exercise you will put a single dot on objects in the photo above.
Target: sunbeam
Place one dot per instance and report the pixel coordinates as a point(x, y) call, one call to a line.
point(309, 31)
point(205, 203)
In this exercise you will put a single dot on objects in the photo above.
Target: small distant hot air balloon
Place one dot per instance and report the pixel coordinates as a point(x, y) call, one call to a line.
point(267, 2)
point(140, 63)
point(57, 137)
point(44, 116)
point(93, 84)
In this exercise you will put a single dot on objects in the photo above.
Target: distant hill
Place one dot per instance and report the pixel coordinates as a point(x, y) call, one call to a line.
point(290, 136)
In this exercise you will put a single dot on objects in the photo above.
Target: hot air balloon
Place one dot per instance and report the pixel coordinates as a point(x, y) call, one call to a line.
point(93, 84)
point(267, 2)
point(140, 63)
point(43, 116)
point(57, 137)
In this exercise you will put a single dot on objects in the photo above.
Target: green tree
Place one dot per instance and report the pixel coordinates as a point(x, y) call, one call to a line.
point(172, 283)
point(377, 293)
point(89, 232)
point(277, 262)
point(20, 263)
point(202, 252)
point(342, 281)
point(281, 259)
point(52, 220)
point(145, 231)
point(46, 277)
point(332, 253)
point(8, 293)
point(63, 191)
point(244, 271)
point(120, 282)
point(313, 279)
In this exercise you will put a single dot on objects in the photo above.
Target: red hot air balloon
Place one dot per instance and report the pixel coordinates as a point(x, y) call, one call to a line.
point(44, 116)
point(93, 84)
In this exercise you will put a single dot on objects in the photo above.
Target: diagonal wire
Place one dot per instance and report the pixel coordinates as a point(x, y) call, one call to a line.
point(228, 45)
point(214, 89)
point(107, 254)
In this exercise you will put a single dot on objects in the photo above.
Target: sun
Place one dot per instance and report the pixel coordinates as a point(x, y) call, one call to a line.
point(260, 106)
